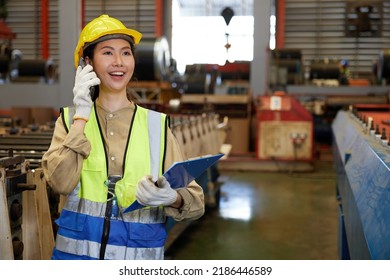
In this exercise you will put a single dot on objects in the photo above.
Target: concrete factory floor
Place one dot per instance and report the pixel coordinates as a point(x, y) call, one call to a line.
point(267, 216)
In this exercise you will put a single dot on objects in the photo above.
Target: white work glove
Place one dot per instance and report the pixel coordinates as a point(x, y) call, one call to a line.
point(84, 80)
point(149, 195)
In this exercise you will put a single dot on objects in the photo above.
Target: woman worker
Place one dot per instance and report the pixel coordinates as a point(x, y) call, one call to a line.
point(108, 152)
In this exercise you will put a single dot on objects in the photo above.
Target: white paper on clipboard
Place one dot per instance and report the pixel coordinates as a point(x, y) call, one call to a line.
point(180, 174)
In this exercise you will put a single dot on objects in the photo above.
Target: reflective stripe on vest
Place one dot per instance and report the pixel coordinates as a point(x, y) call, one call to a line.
point(112, 252)
point(136, 235)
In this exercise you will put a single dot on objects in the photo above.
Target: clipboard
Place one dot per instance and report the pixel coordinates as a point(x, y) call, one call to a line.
point(180, 174)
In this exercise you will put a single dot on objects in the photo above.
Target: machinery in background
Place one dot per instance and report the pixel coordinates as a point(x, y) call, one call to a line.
point(26, 231)
point(361, 155)
point(237, 108)
point(285, 68)
point(156, 74)
point(212, 78)
point(6, 37)
point(13, 68)
point(199, 135)
point(153, 60)
point(34, 70)
point(156, 80)
point(30, 144)
point(198, 79)
point(284, 131)
point(224, 88)
point(325, 72)
point(383, 67)
point(27, 131)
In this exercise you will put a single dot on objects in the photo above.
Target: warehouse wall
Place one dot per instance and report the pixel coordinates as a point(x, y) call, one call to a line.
point(327, 29)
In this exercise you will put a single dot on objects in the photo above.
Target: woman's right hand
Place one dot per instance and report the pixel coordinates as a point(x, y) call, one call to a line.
point(84, 80)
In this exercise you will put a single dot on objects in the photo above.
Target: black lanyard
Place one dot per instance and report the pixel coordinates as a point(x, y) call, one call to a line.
point(111, 202)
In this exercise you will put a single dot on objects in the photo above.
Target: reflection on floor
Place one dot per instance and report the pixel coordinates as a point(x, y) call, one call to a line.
point(266, 215)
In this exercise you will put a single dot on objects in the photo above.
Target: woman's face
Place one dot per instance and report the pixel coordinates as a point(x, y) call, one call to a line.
point(113, 62)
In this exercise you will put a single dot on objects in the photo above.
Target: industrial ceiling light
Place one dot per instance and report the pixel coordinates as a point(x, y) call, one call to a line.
point(227, 14)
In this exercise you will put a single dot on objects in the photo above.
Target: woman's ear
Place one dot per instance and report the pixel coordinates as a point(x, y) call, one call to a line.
point(88, 60)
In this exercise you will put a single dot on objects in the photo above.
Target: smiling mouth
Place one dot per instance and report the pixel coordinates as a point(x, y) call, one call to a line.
point(118, 74)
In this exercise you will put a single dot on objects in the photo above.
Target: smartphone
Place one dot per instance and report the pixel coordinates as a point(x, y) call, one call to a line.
point(82, 63)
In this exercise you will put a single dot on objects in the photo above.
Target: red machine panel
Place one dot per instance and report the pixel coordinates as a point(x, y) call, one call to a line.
point(284, 129)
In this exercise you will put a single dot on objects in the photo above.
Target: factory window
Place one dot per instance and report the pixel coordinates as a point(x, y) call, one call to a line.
point(272, 32)
point(208, 39)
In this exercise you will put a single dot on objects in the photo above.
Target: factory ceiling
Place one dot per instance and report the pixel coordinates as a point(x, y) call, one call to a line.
point(215, 7)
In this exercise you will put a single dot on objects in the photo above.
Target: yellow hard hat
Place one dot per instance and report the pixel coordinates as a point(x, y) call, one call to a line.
point(102, 26)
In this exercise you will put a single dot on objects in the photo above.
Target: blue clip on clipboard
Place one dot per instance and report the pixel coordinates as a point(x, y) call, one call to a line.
point(180, 174)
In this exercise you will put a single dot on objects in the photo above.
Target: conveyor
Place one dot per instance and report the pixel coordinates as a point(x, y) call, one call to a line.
point(363, 184)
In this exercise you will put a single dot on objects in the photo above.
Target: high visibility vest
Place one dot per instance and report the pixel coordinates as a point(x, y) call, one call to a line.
point(138, 234)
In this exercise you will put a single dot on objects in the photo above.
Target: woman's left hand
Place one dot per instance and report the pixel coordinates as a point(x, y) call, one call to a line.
point(148, 194)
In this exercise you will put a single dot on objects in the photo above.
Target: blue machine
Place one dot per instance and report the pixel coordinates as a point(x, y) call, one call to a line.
point(363, 185)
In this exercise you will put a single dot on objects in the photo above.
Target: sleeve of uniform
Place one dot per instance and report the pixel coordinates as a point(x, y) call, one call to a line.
point(62, 162)
point(193, 197)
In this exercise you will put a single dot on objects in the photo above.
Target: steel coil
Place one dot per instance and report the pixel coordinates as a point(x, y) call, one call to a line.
point(152, 60)
point(321, 70)
point(37, 68)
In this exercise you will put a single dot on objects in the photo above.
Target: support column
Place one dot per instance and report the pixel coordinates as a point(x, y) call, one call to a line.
point(69, 29)
point(261, 36)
